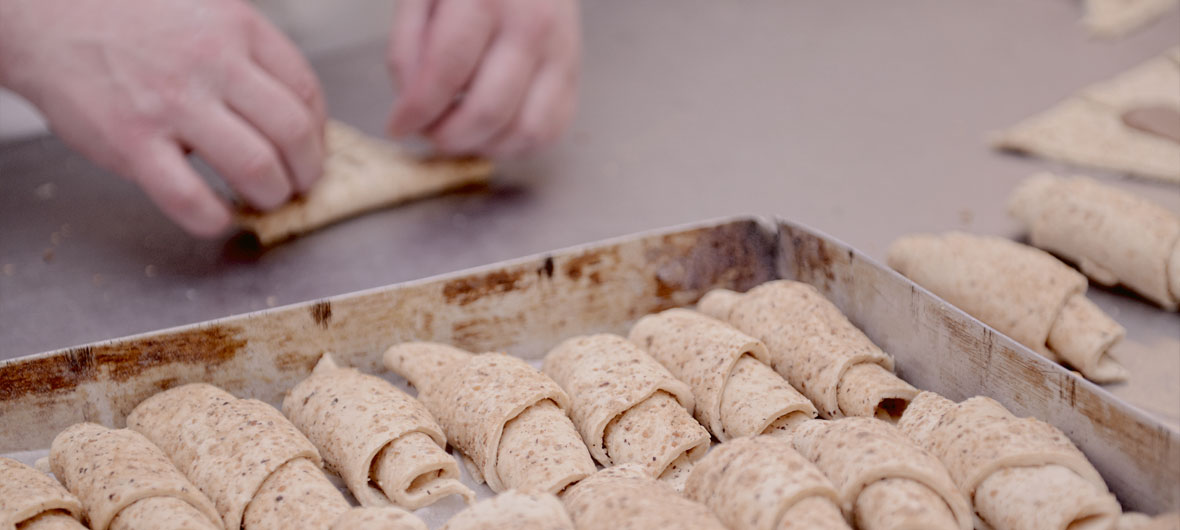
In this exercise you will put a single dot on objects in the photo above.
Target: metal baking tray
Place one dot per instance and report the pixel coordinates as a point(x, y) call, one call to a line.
point(527, 305)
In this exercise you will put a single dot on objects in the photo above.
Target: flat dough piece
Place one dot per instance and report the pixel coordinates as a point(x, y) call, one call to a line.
point(1087, 129)
point(374, 518)
point(857, 452)
point(51, 520)
point(811, 343)
point(1116, 18)
point(754, 484)
point(226, 446)
point(354, 418)
point(361, 173)
point(1113, 236)
point(706, 353)
point(26, 493)
point(613, 382)
point(513, 510)
point(474, 397)
point(625, 497)
point(109, 469)
point(1154, 82)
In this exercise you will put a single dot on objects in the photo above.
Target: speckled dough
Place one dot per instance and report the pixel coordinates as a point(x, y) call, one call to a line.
point(612, 383)
point(51, 520)
point(1017, 289)
point(162, 512)
point(110, 469)
point(541, 452)
point(810, 341)
point(513, 510)
point(1113, 236)
point(354, 418)
point(296, 495)
point(706, 353)
point(1088, 128)
point(361, 173)
point(475, 396)
point(373, 518)
point(752, 484)
point(226, 446)
point(26, 493)
point(624, 497)
point(901, 504)
point(1022, 473)
point(857, 452)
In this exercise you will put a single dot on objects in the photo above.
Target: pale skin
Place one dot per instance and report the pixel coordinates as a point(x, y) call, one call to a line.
point(135, 85)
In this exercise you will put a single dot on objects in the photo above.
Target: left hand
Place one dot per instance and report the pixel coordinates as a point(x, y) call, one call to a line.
point(487, 77)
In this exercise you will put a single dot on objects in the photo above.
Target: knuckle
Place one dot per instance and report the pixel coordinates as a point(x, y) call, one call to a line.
point(296, 131)
point(256, 164)
point(183, 198)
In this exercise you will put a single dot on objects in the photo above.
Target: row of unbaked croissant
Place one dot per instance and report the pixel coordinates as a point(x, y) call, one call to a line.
point(752, 370)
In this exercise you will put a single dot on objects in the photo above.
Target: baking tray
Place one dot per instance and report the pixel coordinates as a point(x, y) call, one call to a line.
point(527, 305)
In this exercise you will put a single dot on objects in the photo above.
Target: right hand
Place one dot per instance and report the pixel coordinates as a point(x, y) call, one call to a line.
point(133, 85)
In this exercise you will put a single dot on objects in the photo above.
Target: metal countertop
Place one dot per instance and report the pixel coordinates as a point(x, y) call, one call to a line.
point(866, 120)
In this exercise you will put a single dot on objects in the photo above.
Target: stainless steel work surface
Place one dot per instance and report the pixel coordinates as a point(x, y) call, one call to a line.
point(864, 119)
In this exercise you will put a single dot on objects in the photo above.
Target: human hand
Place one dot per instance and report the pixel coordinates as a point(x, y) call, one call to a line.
point(135, 84)
point(489, 77)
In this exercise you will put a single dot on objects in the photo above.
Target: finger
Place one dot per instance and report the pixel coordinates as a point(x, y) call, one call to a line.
point(276, 54)
point(247, 162)
point(283, 119)
point(455, 41)
point(546, 113)
point(167, 178)
point(495, 97)
point(405, 38)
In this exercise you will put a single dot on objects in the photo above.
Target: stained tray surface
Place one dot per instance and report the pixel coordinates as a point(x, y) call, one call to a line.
point(527, 305)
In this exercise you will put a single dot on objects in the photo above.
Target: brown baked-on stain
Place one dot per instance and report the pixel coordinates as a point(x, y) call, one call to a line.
point(814, 256)
point(737, 256)
point(575, 266)
point(293, 362)
point(207, 345)
point(467, 290)
point(321, 312)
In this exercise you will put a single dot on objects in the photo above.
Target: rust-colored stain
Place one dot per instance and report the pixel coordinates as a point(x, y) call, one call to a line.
point(293, 362)
point(321, 312)
point(467, 290)
point(208, 346)
point(736, 256)
point(813, 255)
point(574, 267)
point(476, 334)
